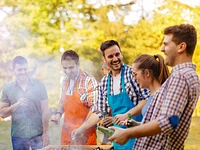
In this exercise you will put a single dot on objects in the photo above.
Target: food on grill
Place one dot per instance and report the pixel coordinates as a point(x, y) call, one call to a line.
point(77, 147)
point(98, 148)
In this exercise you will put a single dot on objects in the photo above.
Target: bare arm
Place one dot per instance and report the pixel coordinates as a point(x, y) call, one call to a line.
point(121, 136)
point(45, 122)
point(147, 129)
point(137, 109)
point(45, 115)
point(59, 113)
point(60, 107)
point(91, 121)
point(6, 110)
point(118, 119)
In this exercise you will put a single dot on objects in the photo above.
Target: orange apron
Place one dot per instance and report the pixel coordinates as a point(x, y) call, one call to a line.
point(75, 114)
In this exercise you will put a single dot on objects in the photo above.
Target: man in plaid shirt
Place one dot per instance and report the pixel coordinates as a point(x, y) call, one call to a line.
point(118, 91)
point(166, 123)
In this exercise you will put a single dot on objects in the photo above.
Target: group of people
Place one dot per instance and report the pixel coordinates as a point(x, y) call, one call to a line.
point(161, 104)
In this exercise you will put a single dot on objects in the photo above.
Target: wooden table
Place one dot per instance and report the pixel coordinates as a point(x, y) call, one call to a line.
point(76, 147)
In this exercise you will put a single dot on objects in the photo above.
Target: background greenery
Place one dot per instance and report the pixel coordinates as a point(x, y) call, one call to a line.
point(42, 30)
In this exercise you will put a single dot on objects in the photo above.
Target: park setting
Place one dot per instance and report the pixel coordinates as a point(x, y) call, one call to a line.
point(41, 31)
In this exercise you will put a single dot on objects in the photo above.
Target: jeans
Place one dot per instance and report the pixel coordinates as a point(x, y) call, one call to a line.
point(25, 143)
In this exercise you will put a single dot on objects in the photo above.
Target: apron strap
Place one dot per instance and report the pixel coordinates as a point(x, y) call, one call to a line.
point(108, 86)
point(122, 81)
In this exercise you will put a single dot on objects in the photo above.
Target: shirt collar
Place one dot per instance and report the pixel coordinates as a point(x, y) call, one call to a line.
point(29, 81)
point(183, 65)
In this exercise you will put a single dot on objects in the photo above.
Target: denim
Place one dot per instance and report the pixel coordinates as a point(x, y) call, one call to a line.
point(25, 143)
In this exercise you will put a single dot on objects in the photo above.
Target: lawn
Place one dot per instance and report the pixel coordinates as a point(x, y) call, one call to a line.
point(192, 142)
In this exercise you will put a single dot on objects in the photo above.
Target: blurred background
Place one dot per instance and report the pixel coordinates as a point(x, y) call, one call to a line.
point(42, 30)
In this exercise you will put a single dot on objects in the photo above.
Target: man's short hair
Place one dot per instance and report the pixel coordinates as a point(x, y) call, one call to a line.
point(70, 54)
point(108, 44)
point(19, 60)
point(183, 33)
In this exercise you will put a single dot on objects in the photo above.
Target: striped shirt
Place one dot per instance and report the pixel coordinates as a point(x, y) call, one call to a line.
point(87, 88)
point(173, 106)
point(132, 89)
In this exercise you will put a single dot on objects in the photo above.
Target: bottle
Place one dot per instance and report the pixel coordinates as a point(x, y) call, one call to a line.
point(129, 122)
point(108, 132)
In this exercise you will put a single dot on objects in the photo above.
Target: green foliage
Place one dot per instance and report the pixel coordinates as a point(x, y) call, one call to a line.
point(40, 29)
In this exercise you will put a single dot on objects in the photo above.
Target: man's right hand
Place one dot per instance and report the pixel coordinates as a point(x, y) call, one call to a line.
point(77, 133)
point(56, 118)
point(22, 102)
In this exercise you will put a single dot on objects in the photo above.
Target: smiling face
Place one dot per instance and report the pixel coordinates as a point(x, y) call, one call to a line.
point(20, 71)
point(70, 68)
point(113, 58)
point(141, 76)
point(170, 49)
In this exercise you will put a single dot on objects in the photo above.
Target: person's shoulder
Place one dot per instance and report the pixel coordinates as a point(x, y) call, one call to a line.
point(127, 67)
point(36, 81)
point(88, 76)
point(105, 77)
point(9, 84)
point(184, 70)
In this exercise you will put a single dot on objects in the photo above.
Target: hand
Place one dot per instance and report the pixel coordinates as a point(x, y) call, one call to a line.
point(56, 118)
point(132, 123)
point(119, 118)
point(77, 132)
point(22, 102)
point(45, 139)
point(119, 136)
point(108, 121)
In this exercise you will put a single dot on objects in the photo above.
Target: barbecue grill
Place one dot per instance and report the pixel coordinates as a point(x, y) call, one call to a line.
point(76, 147)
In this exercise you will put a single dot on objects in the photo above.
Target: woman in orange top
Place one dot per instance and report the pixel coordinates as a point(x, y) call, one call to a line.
point(79, 92)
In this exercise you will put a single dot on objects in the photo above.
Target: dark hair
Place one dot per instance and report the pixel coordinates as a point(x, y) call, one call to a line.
point(157, 68)
point(19, 60)
point(108, 44)
point(70, 54)
point(183, 33)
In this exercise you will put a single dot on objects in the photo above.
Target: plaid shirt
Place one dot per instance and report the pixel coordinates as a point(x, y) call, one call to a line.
point(178, 97)
point(132, 89)
point(87, 88)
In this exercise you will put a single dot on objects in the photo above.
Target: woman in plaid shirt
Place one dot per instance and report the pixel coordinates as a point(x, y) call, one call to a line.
point(166, 123)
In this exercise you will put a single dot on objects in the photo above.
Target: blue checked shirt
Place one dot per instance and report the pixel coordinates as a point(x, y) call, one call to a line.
point(133, 89)
point(173, 106)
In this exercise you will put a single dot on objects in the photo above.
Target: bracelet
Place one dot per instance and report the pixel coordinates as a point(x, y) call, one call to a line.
point(59, 113)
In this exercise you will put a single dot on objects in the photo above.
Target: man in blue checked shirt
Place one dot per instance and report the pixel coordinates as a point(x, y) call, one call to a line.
point(166, 123)
point(118, 91)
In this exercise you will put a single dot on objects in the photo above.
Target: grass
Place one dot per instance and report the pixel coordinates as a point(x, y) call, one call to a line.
point(191, 143)
point(193, 140)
